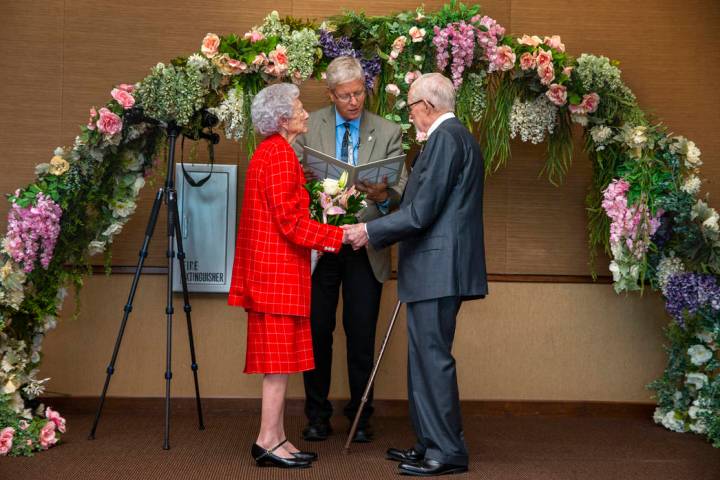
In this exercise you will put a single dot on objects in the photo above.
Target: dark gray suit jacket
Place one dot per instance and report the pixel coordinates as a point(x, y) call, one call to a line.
point(440, 220)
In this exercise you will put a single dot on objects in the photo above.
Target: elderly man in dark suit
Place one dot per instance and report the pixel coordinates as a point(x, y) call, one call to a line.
point(439, 225)
point(350, 133)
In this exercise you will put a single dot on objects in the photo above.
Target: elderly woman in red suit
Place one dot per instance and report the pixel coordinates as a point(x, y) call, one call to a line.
point(271, 273)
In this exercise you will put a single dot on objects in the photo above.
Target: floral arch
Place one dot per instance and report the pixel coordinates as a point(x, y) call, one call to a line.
point(642, 209)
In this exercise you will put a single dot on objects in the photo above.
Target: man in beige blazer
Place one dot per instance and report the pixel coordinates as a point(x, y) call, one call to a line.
point(350, 133)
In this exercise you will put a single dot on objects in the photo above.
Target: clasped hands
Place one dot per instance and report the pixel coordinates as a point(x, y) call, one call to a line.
point(355, 235)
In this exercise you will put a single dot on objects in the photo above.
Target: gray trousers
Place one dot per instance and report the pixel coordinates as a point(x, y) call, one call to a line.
point(432, 380)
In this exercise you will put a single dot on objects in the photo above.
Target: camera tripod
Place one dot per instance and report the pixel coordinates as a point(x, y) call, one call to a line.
point(168, 193)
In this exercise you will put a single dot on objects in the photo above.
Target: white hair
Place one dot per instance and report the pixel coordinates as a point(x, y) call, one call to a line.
point(436, 89)
point(343, 70)
point(272, 105)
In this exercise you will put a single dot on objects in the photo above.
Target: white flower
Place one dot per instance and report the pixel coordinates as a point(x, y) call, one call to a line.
point(392, 89)
point(692, 185)
point(699, 354)
point(579, 119)
point(138, 185)
point(692, 153)
point(532, 120)
point(418, 58)
point(330, 186)
point(123, 209)
point(342, 181)
point(601, 135)
point(698, 427)
point(113, 229)
point(697, 380)
point(615, 269)
point(9, 387)
point(673, 421)
point(417, 34)
point(198, 62)
point(49, 323)
point(658, 415)
point(95, 247)
point(42, 168)
point(400, 104)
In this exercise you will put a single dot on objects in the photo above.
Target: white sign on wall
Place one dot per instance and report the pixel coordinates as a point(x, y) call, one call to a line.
point(207, 225)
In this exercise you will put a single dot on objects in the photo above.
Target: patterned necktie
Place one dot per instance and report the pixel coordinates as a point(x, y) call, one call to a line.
point(345, 143)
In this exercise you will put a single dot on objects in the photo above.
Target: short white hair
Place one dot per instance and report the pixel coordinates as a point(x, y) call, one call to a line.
point(272, 105)
point(342, 70)
point(437, 89)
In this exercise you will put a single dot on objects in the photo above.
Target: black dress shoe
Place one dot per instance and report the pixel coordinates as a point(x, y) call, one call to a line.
point(410, 455)
point(266, 458)
point(307, 456)
point(430, 468)
point(363, 434)
point(317, 431)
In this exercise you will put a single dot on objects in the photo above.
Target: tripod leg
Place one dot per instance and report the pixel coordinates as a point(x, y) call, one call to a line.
point(188, 309)
point(128, 306)
point(171, 220)
point(371, 380)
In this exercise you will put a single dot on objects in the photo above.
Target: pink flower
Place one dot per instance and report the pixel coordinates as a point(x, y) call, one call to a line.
point(410, 77)
point(127, 87)
point(260, 60)
point(417, 34)
point(109, 123)
point(546, 73)
point(554, 42)
point(23, 424)
point(533, 41)
point(527, 61)
point(392, 89)
point(210, 45)
point(6, 440)
point(567, 71)
point(343, 200)
point(325, 200)
point(236, 66)
point(47, 435)
point(588, 104)
point(55, 417)
point(557, 94)
point(420, 136)
point(91, 121)
point(544, 57)
point(335, 210)
point(277, 62)
point(254, 36)
point(399, 43)
point(123, 98)
point(505, 58)
point(29, 443)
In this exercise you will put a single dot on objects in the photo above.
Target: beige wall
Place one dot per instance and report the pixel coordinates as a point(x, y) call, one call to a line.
point(525, 341)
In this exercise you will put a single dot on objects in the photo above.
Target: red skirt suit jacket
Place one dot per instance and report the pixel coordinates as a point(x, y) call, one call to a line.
point(271, 271)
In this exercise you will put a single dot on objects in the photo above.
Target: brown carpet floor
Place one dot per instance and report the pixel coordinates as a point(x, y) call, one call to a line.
point(129, 446)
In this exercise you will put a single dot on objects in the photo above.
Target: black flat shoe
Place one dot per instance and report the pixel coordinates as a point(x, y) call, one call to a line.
point(307, 456)
point(317, 431)
point(410, 455)
point(266, 458)
point(430, 468)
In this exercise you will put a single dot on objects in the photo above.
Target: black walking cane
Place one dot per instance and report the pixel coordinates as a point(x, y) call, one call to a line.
point(371, 380)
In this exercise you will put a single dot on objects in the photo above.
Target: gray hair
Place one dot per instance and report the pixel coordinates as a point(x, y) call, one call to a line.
point(272, 105)
point(343, 70)
point(436, 89)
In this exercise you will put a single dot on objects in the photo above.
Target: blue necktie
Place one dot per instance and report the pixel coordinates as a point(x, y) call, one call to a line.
point(345, 143)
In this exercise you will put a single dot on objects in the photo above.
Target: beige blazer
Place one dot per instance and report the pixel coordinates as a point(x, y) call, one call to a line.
point(379, 138)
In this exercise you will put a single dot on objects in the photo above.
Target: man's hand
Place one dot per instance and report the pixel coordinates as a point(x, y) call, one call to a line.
point(355, 235)
point(377, 192)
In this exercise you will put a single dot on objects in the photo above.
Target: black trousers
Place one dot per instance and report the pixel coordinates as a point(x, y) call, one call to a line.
point(432, 380)
point(361, 303)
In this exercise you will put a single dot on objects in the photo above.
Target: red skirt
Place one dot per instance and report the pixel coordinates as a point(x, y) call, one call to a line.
point(278, 344)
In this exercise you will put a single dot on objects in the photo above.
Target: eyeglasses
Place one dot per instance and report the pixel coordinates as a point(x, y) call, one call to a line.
point(410, 105)
point(346, 97)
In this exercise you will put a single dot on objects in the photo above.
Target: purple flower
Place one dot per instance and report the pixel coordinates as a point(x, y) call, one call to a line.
point(460, 36)
point(343, 47)
point(690, 292)
point(32, 230)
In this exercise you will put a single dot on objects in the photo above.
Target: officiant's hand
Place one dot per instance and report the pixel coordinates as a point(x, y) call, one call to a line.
point(356, 235)
point(377, 192)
